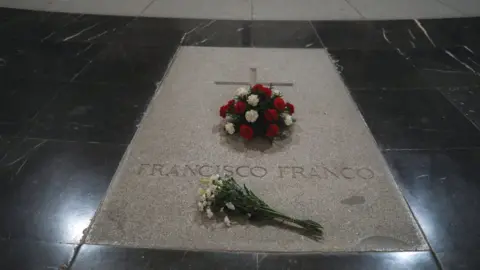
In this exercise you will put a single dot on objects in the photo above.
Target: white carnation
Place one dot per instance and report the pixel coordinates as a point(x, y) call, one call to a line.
point(288, 119)
point(209, 213)
point(253, 100)
point(230, 206)
point(200, 206)
point(251, 116)
point(230, 128)
point(242, 91)
point(276, 93)
point(227, 222)
point(214, 177)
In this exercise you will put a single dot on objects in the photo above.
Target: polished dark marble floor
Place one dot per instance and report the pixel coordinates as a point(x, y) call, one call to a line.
point(51, 189)
point(415, 119)
point(21, 101)
point(34, 255)
point(371, 35)
point(442, 187)
point(447, 67)
point(74, 87)
point(453, 32)
point(105, 257)
point(93, 112)
point(45, 61)
point(467, 100)
point(377, 69)
point(129, 63)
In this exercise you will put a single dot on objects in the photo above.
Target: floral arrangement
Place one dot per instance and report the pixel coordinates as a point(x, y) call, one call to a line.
point(223, 196)
point(258, 111)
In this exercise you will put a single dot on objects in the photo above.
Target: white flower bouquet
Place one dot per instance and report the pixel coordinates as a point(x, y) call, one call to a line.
point(223, 197)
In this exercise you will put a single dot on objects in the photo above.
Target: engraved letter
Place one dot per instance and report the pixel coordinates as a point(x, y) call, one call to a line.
point(328, 170)
point(142, 168)
point(346, 174)
point(157, 168)
point(282, 170)
point(314, 173)
point(200, 170)
point(192, 171)
point(258, 168)
point(298, 170)
point(238, 171)
point(367, 173)
point(229, 170)
point(173, 171)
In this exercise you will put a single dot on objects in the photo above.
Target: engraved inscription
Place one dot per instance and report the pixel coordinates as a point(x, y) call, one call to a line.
point(295, 172)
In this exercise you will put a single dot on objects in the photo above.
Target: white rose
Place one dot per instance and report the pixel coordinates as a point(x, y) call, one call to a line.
point(288, 119)
point(230, 128)
point(276, 93)
point(253, 100)
point(251, 116)
point(242, 91)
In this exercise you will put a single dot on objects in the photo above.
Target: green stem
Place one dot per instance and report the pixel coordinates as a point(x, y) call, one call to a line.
point(247, 202)
point(306, 224)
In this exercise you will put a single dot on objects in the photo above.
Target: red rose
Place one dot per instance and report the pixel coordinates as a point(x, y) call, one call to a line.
point(231, 102)
point(279, 103)
point(271, 115)
point(223, 111)
point(240, 107)
point(246, 132)
point(272, 130)
point(266, 91)
point(257, 87)
point(290, 108)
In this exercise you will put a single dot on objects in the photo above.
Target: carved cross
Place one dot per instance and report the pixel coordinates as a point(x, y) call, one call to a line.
point(253, 81)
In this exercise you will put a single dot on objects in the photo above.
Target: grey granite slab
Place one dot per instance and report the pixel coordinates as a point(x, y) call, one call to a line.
point(304, 10)
point(103, 7)
point(466, 7)
point(329, 170)
point(403, 9)
point(201, 9)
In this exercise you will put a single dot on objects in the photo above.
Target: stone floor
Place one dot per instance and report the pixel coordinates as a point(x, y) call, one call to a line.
point(75, 87)
point(261, 9)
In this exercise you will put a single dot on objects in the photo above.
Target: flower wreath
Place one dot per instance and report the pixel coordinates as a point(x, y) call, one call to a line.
point(258, 111)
